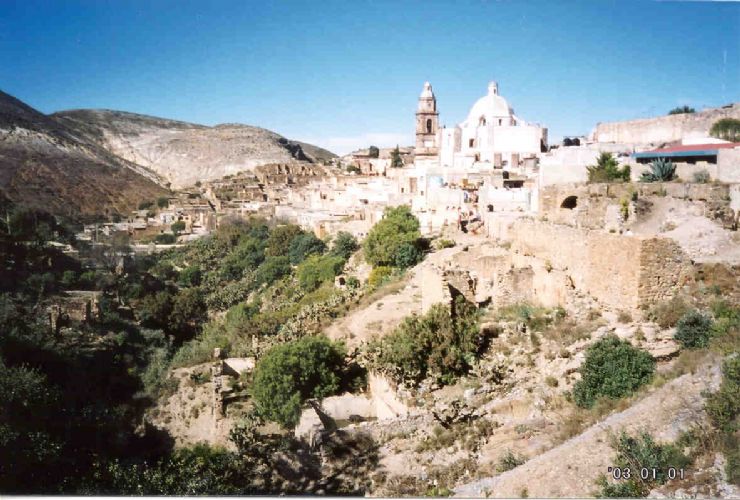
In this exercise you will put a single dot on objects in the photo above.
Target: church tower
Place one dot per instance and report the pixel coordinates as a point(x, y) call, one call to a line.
point(427, 123)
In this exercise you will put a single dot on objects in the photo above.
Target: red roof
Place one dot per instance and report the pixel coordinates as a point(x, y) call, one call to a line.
point(695, 147)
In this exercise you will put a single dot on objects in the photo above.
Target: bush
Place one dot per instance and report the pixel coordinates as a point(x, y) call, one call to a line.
point(379, 275)
point(702, 177)
point(373, 152)
point(344, 245)
point(613, 368)
point(509, 461)
point(607, 170)
point(162, 202)
point(190, 276)
point(638, 453)
point(442, 344)
point(693, 330)
point(394, 240)
point(681, 110)
point(289, 374)
point(272, 269)
point(443, 243)
point(165, 239)
point(317, 270)
point(178, 227)
point(723, 406)
point(146, 205)
point(666, 314)
point(304, 245)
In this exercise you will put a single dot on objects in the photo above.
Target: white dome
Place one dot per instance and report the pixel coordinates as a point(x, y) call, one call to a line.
point(489, 107)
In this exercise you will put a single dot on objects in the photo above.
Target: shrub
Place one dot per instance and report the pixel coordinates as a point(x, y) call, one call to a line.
point(442, 344)
point(289, 374)
point(702, 177)
point(443, 243)
point(162, 202)
point(613, 369)
point(666, 314)
point(379, 275)
point(304, 245)
point(723, 406)
point(693, 330)
point(642, 453)
point(607, 170)
point(317, 270)
point(190, 276)
point(681, 110)
point(373, 152)
point(660, 171)
point(394, 239)
point(146, 205)
point(344, 245)
point(272, 269)
point(178, 227)
point(165, 239)
point(509, 461)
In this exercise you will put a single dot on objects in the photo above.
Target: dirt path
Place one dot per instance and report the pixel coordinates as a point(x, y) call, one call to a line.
point(571, 469)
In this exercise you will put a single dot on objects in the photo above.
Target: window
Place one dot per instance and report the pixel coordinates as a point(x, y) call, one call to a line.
point(429, 126)
point(471, 143)
point(570, 202)
point(500, 121)
point(482, 121)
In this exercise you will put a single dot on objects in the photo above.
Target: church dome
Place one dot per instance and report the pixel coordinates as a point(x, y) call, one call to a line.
point(489, 106)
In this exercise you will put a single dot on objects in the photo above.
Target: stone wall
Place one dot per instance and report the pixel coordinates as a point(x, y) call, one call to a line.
point(663, 129)
point(621, 272)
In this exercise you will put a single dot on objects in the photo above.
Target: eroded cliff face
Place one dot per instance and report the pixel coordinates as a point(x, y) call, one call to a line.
point(184, 153)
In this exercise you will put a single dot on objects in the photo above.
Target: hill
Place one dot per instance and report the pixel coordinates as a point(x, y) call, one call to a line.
point(45, 164)
point(184, 153)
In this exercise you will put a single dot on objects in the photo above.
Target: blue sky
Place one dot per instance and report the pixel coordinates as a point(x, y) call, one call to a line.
point(346, 74)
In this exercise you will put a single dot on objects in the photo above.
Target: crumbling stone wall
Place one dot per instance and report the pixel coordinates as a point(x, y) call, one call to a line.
point(590, 205)
point(621, 272)
point(664, 269)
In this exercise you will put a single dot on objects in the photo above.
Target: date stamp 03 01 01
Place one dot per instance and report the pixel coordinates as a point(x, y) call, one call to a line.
point(646, 473)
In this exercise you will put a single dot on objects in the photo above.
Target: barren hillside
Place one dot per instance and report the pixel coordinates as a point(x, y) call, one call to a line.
point(184, 153)
point(43, 163)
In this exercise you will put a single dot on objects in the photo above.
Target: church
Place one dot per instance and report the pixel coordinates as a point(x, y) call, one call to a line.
point(491, 137)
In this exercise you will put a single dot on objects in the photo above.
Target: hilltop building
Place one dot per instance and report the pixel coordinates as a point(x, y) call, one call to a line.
point(491, 137)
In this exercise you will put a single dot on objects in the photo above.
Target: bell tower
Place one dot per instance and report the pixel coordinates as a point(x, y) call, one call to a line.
point(427, 123)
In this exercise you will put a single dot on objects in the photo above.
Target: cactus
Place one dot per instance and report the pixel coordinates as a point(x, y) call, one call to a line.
point(660, 171)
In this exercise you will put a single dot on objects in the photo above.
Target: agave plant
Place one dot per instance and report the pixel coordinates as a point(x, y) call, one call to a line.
point(660, 171)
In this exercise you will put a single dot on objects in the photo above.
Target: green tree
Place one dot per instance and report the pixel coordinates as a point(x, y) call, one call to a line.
point(178, 227)
point(613, 368)
point(396, 160)
point(389, 240)
point(344, 245)
point(163, 202)
point(607, 170)
point(280, 239)
point(318, 269)
point(373, 152)
point(303, 245)
point(165, 239)
point(146, 205)
point(727, 129)
point(681, 110)
point(289, 374)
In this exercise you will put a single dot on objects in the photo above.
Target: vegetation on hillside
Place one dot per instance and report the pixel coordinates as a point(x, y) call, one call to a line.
point(680, 110)
point(395, 241)
point(613, 368)
point(607, 170)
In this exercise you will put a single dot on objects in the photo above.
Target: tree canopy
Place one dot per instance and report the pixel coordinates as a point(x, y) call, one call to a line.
point(394, 241)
